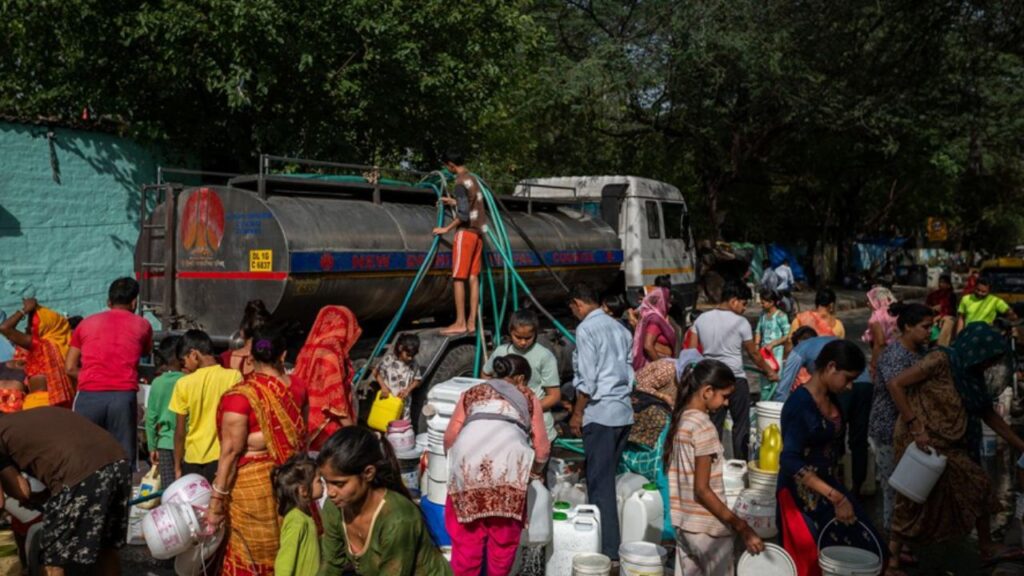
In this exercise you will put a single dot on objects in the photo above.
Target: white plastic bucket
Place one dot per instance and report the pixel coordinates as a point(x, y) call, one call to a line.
point(169, 530)
point(768, 413)
point(917, 473)
point(437, 489)
point(641, 559)
point(774, 561)
point(847, 560)
point(761, 479)
point(437, 465)
point(589, 564)
point(757, 508)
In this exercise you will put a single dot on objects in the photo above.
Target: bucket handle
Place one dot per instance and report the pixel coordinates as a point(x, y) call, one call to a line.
point(881, 553)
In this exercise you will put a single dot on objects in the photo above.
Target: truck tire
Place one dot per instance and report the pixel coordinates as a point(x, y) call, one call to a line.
point(457, 362)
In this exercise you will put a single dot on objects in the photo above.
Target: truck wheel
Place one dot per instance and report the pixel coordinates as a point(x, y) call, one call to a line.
point(457, 362)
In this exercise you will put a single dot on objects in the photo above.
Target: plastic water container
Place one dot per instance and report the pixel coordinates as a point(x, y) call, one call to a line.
point(401, 436)
point(641, 559)
point(409, 468)
point(433, 517)
point(191, 561)
point(643, 515)
point(190, 489)
point(571, 536)
point(444, 395)
point(384, 411)
point(761, 479)
point(591, 565)
point(774, 561)
point(768, 413)
point(170, 529)
point(771, 449)
point(734, 475)
point(757, 508)
point(917, 473)
point(574, 494)
point(626, 485)
point(847, 560)
point(538, 510)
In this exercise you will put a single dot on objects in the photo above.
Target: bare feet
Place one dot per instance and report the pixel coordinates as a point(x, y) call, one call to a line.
point(454, 330)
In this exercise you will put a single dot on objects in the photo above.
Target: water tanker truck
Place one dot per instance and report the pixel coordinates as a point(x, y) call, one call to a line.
point(300, 242)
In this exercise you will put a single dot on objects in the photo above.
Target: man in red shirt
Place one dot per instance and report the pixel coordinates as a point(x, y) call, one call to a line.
point(470, 223)
point(104, 358)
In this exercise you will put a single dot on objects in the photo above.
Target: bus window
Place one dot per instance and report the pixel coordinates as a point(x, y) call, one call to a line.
point(653, 219)
point(675, 220)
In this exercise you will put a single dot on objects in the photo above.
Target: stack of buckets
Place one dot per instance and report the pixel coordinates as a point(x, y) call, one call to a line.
point(756, 504)
point(441, 401)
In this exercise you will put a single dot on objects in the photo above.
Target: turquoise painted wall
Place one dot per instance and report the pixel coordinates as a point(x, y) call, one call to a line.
point(69, 214)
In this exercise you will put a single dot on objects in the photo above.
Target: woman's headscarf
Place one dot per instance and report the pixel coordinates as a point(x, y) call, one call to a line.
point(653, 310)
point(324, 366)
point(977, 344)
point(880, 299)
point(51, 336)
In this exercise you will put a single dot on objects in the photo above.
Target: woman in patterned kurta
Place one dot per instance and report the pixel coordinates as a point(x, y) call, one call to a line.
point(942, 401)
point(490, 464)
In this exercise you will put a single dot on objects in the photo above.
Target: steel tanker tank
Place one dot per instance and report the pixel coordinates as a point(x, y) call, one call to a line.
point(299, 246)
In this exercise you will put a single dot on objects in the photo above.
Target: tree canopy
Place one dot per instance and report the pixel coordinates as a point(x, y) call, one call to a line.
point(807, 120)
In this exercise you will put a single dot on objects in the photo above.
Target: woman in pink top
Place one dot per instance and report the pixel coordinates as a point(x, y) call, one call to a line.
point(490, 462)
point(882, 329)
point(654, 338)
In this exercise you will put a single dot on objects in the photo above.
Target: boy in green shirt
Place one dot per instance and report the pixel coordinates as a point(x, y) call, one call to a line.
point(982, 306)
point(160, 421)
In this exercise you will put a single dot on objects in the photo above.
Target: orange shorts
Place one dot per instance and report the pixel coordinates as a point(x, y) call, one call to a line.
point(467, 253)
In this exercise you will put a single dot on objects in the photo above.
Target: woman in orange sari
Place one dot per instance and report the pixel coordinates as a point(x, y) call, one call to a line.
point(46, 346)
point(324, 365)
point(822, 319)
point(260, 424)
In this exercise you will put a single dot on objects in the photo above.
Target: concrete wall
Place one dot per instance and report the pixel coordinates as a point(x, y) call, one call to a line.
point(69, 214)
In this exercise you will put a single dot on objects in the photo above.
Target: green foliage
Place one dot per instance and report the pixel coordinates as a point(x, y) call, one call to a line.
point(809, 120)
point(354, 80)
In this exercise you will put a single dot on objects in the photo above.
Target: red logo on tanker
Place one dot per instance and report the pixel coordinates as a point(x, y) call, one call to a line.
point(327, 261)
point(202, 224)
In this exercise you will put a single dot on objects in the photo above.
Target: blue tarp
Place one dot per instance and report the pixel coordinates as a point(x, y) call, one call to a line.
point(777, 253)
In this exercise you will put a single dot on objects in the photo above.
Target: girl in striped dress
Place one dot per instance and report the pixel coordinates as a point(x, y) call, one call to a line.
point(694, 456)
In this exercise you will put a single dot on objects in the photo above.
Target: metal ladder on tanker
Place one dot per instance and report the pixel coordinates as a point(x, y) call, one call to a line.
point(151, 270)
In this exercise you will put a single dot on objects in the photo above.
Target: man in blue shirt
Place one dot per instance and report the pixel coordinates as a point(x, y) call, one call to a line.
point(602, 413)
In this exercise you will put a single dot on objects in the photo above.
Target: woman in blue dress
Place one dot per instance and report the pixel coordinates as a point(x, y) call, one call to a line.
point(809, 494)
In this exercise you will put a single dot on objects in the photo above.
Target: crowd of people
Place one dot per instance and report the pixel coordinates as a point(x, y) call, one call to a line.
point(302, 488)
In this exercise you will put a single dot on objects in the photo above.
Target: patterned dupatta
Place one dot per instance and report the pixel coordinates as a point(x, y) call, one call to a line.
point(51, 335)
point(279, 417)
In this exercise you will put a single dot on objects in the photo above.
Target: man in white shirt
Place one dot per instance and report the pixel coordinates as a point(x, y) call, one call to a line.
point(724, 334)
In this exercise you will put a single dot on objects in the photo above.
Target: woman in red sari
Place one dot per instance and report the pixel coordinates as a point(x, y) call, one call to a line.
point(324, 365)
point(260, 424)
point(46, 344)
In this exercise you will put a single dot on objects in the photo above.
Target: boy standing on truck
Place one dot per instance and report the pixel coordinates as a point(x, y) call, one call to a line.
point(470, 224)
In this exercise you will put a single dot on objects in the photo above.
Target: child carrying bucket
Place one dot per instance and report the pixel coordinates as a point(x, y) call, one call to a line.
point(694, 457)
